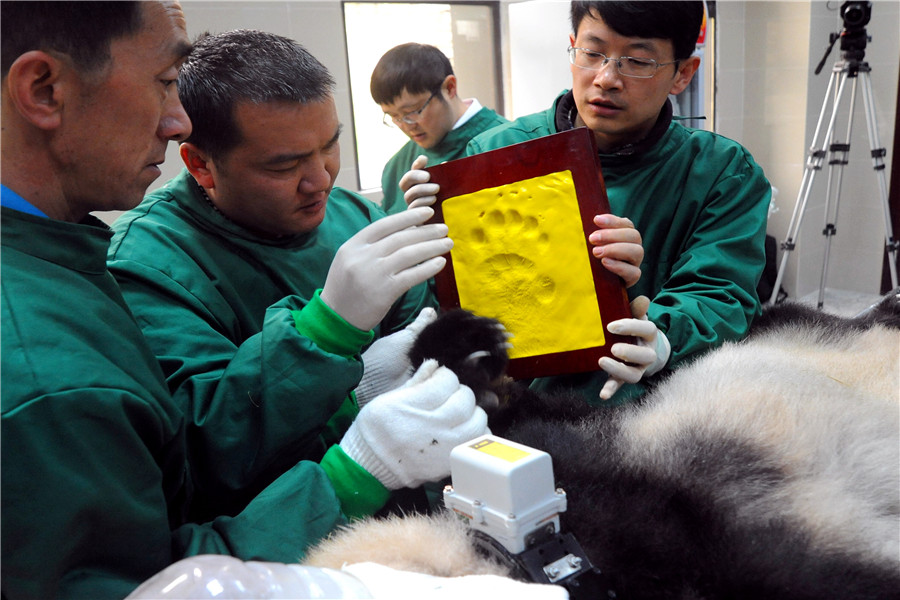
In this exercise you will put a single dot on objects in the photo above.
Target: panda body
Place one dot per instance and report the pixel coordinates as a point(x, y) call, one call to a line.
point(768, 468)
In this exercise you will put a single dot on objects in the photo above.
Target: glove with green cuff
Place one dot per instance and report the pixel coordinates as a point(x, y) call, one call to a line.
point(403, 438)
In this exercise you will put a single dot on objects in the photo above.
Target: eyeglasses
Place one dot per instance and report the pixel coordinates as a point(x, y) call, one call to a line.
point(410, 118)
point(629, 66)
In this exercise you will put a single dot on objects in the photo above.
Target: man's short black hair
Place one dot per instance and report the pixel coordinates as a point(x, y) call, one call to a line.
point(81, 30)
point(669, 20)
point(244, 65)
point(414, 67)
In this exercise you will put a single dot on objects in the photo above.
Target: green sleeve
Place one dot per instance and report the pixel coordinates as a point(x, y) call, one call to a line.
point(87, 476)
point(123, 517)
point(328, 330)
point(359, 492)
point(339, 422)
point(276, 380)
point(709, 294)
point(294, 512)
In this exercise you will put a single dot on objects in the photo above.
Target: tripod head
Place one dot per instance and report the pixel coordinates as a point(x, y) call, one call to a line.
point(853, 36)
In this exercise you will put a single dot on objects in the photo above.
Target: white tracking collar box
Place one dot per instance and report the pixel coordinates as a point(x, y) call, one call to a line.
point(505, 490)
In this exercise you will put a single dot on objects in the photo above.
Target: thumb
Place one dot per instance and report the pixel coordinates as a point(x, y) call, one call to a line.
point(425, 318)
point(425, 370)
point(419, 162)
point(415, 175)
point(432, 386)
point(640, 306)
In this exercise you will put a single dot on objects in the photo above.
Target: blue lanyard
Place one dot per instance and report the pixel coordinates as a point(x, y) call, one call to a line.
point(10, 199)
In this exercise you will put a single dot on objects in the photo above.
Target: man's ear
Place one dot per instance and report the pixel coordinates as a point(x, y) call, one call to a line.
point(37, 88)
point(450, 83)
point(198, 165)
point(686, 70)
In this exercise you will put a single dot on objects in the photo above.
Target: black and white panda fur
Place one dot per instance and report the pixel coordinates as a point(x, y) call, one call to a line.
point(766, 469)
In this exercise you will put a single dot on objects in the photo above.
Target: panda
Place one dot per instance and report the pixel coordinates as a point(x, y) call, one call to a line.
point(767, 468)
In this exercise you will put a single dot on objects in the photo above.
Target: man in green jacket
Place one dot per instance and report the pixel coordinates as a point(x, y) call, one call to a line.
point(97, 485)
point(699, 200)
point(416, 88)
point(258, 283)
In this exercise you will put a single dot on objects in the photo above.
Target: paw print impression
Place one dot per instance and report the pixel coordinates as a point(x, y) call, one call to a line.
point(518, 274)
point(520, 255)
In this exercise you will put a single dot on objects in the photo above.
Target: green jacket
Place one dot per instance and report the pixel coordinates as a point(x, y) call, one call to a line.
point(453, 146)
point(701, 204)
point(95, 484)
point(258, 364)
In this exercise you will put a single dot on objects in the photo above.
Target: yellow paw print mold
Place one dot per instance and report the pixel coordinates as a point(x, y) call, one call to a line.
point(520, 256)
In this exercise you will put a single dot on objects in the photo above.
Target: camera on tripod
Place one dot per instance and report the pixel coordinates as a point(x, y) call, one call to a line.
point(853, 37)
point(856, 14)
point(854, 69)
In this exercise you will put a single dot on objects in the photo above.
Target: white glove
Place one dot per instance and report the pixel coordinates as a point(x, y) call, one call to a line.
point(212, 576)
point(416, 189)
point(404, 437)
point(390, 584)
point(382, 262)
point(386, 364)
point(648, 356)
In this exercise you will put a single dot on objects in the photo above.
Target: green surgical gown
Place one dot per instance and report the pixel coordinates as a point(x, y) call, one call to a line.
point(219, 306)
point(95, 484)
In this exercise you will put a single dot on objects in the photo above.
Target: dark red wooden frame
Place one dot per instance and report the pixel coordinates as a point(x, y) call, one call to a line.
point(574, 150)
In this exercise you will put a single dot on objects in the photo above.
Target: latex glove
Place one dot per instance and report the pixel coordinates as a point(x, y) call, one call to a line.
point(416, 189)
point(386, 363)
point(391, 584)
point(648, 356)
point(404, 437)
point(219, 576)
point(382, 262)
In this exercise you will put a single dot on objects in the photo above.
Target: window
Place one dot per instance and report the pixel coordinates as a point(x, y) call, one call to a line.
point(465, 32)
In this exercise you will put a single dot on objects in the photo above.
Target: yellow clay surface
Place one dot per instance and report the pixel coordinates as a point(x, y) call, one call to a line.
point(520, 256)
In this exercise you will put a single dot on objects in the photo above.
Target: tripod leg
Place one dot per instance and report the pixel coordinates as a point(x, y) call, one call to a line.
point(839, 153)
point(813, 164)
point(878, 153)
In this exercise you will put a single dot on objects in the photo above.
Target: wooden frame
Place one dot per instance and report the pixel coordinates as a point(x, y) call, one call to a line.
point(520, 217)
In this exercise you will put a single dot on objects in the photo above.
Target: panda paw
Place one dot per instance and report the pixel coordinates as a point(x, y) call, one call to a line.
point(473, 347)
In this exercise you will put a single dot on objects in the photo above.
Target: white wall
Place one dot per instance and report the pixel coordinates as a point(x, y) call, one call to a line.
point(769, 99)
point(538, 35)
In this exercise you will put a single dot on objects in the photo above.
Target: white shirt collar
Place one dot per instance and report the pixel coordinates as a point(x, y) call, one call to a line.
point(474, 107)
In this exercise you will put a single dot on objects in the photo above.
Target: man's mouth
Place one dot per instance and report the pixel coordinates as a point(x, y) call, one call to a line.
point(314, 205)
point(604, 107)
